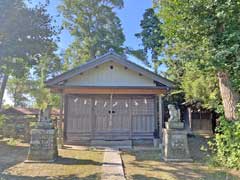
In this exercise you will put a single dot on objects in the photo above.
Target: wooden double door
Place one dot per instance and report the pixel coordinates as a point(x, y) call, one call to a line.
point(109, 117)
point(113, 117)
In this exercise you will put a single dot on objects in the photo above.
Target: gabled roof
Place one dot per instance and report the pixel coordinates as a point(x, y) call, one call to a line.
point(110, 56)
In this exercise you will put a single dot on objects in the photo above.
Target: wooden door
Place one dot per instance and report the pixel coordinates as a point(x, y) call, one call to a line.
point(120, 117)
point(102, 116)
point(112, 117)
point(79, 116)
point(143, 117)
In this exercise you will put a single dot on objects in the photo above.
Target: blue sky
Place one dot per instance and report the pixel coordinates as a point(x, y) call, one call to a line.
point(130, 16)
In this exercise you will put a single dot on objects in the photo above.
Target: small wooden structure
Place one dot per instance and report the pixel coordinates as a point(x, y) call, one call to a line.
point(200, 121)
point(110, 98)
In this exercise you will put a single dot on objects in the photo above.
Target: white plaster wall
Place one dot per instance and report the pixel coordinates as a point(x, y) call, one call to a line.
point(104, 76)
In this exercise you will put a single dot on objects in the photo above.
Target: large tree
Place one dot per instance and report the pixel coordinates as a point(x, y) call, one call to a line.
point(18, 90)
point(94, 26)
point(24, 33)
point(208, 33)
point(151, 36)
point(48, 66)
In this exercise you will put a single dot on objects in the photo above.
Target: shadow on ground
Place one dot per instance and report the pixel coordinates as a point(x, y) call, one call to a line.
point(178, 171)
point(73, 161)
point(70, 177)
point(148, 165)
point(72, 164)
point(11, 155)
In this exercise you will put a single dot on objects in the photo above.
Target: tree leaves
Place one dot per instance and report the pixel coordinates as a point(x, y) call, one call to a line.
point(25, 35)
point(151, 36)
point(94, 25)
point(203, 33)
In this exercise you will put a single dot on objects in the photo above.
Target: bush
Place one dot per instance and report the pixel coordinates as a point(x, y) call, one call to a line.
point(2, 121)
point(227, 144)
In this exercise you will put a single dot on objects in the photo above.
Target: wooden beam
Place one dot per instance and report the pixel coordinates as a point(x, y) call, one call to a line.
point(60, 123)
point(95, 90)
point(161, 120)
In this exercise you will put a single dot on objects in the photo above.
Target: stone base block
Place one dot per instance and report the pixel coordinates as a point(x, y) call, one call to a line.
point(104, 143)
point(175, 145)
point(174, 125)
point(43, 145)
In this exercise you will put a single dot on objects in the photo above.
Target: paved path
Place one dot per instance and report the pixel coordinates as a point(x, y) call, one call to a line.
point(112, 168)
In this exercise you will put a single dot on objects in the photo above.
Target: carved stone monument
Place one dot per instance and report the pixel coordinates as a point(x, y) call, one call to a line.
point(175, 138)
point(174, 120)
point(43, 144)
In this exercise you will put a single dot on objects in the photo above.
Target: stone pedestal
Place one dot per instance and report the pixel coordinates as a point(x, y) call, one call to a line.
point(174, 125)
point(43, 144)
point(175, 143)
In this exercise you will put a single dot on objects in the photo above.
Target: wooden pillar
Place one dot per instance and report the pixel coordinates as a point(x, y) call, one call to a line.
point(160, 115)
point(60, 123)
point(130, 107)
point(190, 118)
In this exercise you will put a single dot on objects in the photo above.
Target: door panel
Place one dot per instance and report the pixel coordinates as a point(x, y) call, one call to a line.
point(121, 114)
point(78, 116)
point(112, 118)
point(143, 116)
point(121, 117)
point(101, 110)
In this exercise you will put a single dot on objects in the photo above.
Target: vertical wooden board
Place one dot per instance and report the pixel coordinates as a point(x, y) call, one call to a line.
point(121, 114)
point(101, 111)
point(143, 114)
point(79, 114)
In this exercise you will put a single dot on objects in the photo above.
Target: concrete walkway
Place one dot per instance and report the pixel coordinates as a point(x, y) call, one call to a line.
point(112, 168)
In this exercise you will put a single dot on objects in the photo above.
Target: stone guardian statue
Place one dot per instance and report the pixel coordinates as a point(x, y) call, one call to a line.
point(175, 141)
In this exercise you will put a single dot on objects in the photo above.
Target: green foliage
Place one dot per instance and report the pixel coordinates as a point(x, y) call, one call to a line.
point(200, 86)
point(227, 144)
point(31, 88)
point(33, 125)
point(49, 65)
point(18, 89)
point(95, 27)
point(203, 32)
point(25, 34)
point(2, 120)
point(151, 36)
point(139, 53)
point(13, 141)
point(202, 38)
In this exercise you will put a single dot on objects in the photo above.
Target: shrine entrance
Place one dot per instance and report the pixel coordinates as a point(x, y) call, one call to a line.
point(110, 117)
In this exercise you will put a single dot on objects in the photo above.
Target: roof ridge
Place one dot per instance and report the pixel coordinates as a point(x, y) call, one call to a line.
point(102, 59)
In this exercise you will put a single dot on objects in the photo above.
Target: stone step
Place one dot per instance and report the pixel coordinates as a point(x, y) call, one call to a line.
point(111, 143)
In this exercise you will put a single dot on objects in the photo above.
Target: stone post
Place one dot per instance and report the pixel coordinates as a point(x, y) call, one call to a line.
point(175, 138)
point(43, 144)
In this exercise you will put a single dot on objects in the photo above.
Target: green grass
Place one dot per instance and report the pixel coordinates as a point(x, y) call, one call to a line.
point(84, 164)
point(12, 141)
point(146, 165)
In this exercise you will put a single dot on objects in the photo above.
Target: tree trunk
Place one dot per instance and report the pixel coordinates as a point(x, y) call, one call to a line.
point(2, 89)
point(229, 96)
